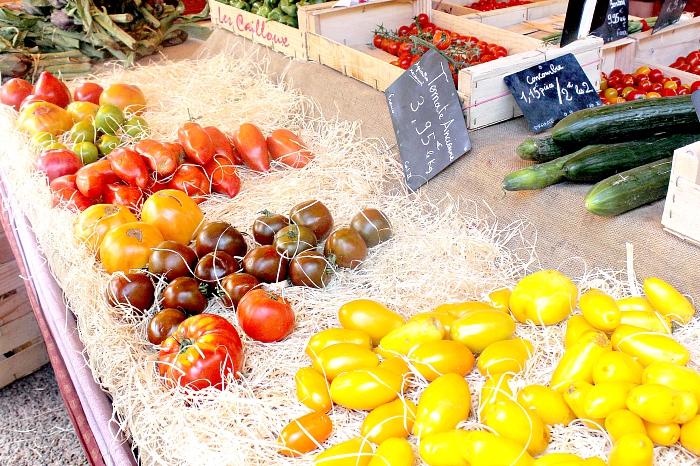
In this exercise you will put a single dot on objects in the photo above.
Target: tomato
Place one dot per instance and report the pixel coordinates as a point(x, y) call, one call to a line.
point(632, 450)
point(655, 75)
point(14, 91)
point(690, 435)
point(202, 352)
point(649, 347)
point(346, 248)
point(160, 158)
point(393, 419)
point(405, 62)
point(213, 267)
point(422, 19)
point(313, 215)
point(504, 356)
point(294, 239)
point(546, 403)
point(92, 179)
point(600, 310)
point(44, 117)
point(88, 92)
point(578, 361)
point(234, 286)
point(223, 176)
point(311, 269)
point(615, 366)
point(175, 214)
point(304, 434)
point(312, 389)
point(487, 449)
point(403, 339)
point(288, 148)
point(94, 222)
point(126, 97)
point(623, 422)
point(673, 376)
point(495, 389)
point(393, 48)
point(695, 86)
point(377, 41)
point(545, 297)
point(185, 293)
point(128, 246)
point(191, 180)
point(604, 398)
point(393, 452)
point(499, 298)
point(441, 40)
point(343, 357)
point(445, 448)
point(134, 290)
point(51, 89)
point(356, 452)
point(652, 321)
point(65, 192)
point(252, 147)
point(172, 260)
point(220, 142)
point(663, 434)
point(668, 301)
point(654, 403)
point(576, 327)
point(369, 316)
point(163, 324)
point(442, 405)
point(130, 197)
point(265, 316)
point(512, 421)
point(445, 319)
point(136, 127)
point(575, 396)
point(435, 358)
point(267, 225)
point(683, 90)
point(130, 167)
point(266, 264)
point(671, 84)
point(87, 151)
point(405, 48)
point(635, 95)
point(372, 225)
point(478, 329)
point(196, 142)
point(365, 389)
point(462, 309)
point(109, 119)
point(107, 143)
point(334, 336)
point(219, 236)
point(429, 29)
point(58, 162)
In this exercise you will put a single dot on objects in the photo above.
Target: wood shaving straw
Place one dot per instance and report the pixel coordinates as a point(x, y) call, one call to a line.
point(442, 251)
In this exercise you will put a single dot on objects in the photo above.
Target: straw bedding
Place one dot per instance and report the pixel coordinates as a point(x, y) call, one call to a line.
point(442, 251)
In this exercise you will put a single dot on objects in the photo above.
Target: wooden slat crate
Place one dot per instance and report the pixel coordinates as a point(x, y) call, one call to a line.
point(663, 47)
point(683, 200)
point(503, 17)
point(22, 349)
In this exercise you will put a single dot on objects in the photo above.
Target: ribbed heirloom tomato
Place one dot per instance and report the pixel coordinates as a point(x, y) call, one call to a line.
point(203, 350)
point(174, 213)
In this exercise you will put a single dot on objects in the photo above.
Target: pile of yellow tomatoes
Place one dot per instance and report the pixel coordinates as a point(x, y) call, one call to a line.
point(621, 371)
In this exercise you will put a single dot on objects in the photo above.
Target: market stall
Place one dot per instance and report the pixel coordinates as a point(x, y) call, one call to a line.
point(469, 236)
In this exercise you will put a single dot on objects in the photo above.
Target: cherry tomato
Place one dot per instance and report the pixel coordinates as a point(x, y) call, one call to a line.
point(172, 260)
point(600, 310)
point(88, 92)
point(14, 91)
point(372, 225)
point(134, 290)
point(175, 214)
point(667, 92)
point(610, 93)
point(94, 222)
point(442, 40)
point(163, 324)
point(403, 31)
point(445, 448)
point(663, 434)
point(673, 376)
point(267, 225)
point(422, 20)
point(377, 41)
point(185, 293)
point(252, 147)
point(405, 48)
point(214, 266)
point(266, 264)
point(442, 405)
point(654, 403)
point(312, 389)
point(304, 434)
point(219, 236)
point(695, 86)
point(294, 239)
point(234, 286)
point(128, 246)
point(314, 215)
point(311, 269)
point(288, 148)
point(58, 162)
point(393, 48)
point(366, 389)
point(265, 316)
point(369, 316)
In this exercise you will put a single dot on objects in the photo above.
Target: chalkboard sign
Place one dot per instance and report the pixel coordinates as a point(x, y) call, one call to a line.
point(427, 118)
point(696, 101)
point(671, 11)
point(612, 23)
point(548, 92)
point(578, 20)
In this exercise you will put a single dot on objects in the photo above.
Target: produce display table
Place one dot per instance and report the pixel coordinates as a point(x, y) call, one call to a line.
point(554, 222)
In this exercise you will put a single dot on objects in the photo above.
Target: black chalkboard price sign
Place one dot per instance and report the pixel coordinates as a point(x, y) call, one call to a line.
point(614, 21)
point(427, 118)
point(671, 11)
point(548, 92)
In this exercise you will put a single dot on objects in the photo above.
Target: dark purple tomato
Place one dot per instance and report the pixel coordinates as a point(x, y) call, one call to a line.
point(234, 286)
point(311, 269)
point(265, 264)
point(372, 225)
point(185, 293)
point(267, 225)
point(314, 216)
point(131, 289)
point(293, 239)
point(172, 260)
point(220, 236)
point(163, 324)
point(214, 266)
point(346, 247)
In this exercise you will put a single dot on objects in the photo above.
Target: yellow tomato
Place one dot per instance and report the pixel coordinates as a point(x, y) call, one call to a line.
point(80, 111)
point(128, 246)
point(312, 389)
point(495, 389)
point(344, 357)
point(687, 407)
point(649, 347)
point(353, 452)
point(547, 403)
point(304, 434)
point(369, 316)
point(668, 301)
point(604, 398)
point(174, 213)
point(500, 298)
point(634, 303)
point(690, 435)
point(654, 403)
point(600, 310)
point(576, 327)
point(403, 339)
point(394, 419)
point(577, 362)
point(575, 396)
point(127, 97)
point(445, 318)
point(512, 421)
point(504, 356)
point(393, 452)
point(673, 376)
point(445, 448)
point(632, 450)
point(333, 336)
point(559, 459)
point(615, 366)
point(478, 329)
point(437, 358)
point(487, 449)
point(365, 389)
point(594, 461)
point(545, 297)
point(463, 308)
point(623, 422)
point(399, 366)
point(647, 320)
point(93, 223)
point(663, 434)
point(442, 405)
point(44, 117)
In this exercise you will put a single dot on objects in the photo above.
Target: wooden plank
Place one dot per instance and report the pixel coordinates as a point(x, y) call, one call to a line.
point(9, 277)
point(23, 363)
point(681, 205)
point(5, 250)
point(453, 8)
point(618, 54)
point(669, 43)
point(14, 304)
point(18, 332)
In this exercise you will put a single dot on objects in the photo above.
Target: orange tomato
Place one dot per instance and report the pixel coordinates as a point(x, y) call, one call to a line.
point(129, 246)
point(305, 434)
point(93, 223)
point(288, 148)
point(174, 213)
point(435, 358)
point(128, 98)
point(44, 117)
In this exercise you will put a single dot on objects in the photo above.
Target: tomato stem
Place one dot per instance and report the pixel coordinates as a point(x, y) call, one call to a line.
point(184, 344)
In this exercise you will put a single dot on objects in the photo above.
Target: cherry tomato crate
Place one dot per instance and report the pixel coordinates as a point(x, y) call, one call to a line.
point(502, 16)
point(683, 200)
point(341, 39)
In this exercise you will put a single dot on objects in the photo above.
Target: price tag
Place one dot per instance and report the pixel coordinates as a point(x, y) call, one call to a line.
point(614, 21)
point(548, 92)
point(696, 101)
point(427, 118)
point(671, 11)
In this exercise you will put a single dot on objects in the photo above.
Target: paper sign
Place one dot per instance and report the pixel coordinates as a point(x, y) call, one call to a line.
point(427, 118)
point(548, 92)
point(671, 11)
point(614, 21)
point(696, 101)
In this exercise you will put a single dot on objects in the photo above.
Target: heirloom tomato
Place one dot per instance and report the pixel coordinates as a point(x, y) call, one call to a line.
point(64, 191)
point(201, 352)
point(221, 143)
point(164, 324)
point(265, 316)
point(82, 111)
point(126, 97)
point(294, 239)
point(96, 221)
point(185, 293)
point(547, 403)
point(172, 260)
point(632, 450)
point(311, 269)
point(545, 297)
point(44, 117)
point(14, 91)
point(267, 225)
point(130, 197)
point(219, 236)
point(342, 357)
point(87, 152)
point(128, 246)
point(174, 213)
point(58, 162)
point(223, 175)
point(51, 89)
point(92, 179)
point(354, 452)
point(88, 92)
point(266, 264)
point(334, 336)
point(191, 180)
point(161, 159)
point(132, 289)
point(128, 165)
point(196, 142)
point(393, 419)
point(313, 215)
point(393, 452)
point(370, 317)
point(346, 247)
point(366, 389)
point(288, 148)
point(109, 119)
point(304, 434)
point(312, 389)
point(234, 286)
point(252, 147)
point(442, 405)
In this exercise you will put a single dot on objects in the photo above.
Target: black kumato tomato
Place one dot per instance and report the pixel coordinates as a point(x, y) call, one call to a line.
point(220, 236)
point(234, 286)
point(314, 216)
point(293, 239)
point(372, 225)
point(311, 269)
point(214, 266)
point(172, 260)
point(265, 264)
point(267, 225)
point(185, 293)
point(163, 324)
point(346, 247)
point(135, 290)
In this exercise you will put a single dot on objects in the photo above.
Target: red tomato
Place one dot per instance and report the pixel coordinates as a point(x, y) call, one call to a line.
point(645, 85)
point(222, 144)
point(683, 90)
point(486, 58)
point(58, 162)
point(51, 89)
point(655, 75)
point(627, 80)
point(635, 95)
point(160, 158)
point(441, 40)
point(695, 69)
point(88, 92)
point(202, 351)
point(130, 197)
point(191, 180)
point(695, 86)
point(415, 59)
point(128, 165)
point(196, 142)
point(422, 20)
point(403, 31)
point(405, 62)
point(616, 72)
point(91, 179)
point(223, 176)
point(265, 316)
point(288, 148)
point(656, 87)
point(413, 30)
point(429, 29)
point(64, 191)
point(393, 48)
point(377, 41)
point(251, 146)
point(666, 92)
point(14, 91)
point(684, 67)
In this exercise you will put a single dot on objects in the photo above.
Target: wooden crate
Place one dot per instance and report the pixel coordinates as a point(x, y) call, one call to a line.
point(279, 37)
point(683, 199)
point(664, 46)
point(22, 349)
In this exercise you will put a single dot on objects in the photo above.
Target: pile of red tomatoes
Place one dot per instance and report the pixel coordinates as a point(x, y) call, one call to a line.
point(488, 5)
point(644, 83)
point(689, 63)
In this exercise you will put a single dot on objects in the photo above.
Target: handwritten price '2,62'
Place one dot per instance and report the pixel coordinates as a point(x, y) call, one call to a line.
point(563, 93)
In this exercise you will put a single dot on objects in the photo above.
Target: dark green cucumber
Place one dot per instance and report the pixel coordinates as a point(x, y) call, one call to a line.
point(594, 163)
point(631, 189)
point(537, 176)
point(626, 122)
point(541, 149)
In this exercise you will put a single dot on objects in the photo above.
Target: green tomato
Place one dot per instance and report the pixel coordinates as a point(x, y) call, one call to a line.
point(43, 139)
point(108, 143)
point(109, 119)
point(55, 145)
point(87, 151)
point(136, 127)
point(82, 131)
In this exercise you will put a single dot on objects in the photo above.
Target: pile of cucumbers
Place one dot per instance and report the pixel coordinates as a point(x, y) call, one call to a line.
point(282, 11)
point(626, 149)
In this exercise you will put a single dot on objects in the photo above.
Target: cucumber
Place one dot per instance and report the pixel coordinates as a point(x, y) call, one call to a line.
point(541, 149)
point(631, 189)
point(626, 122)
point(594, 163)
point(537, 176)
